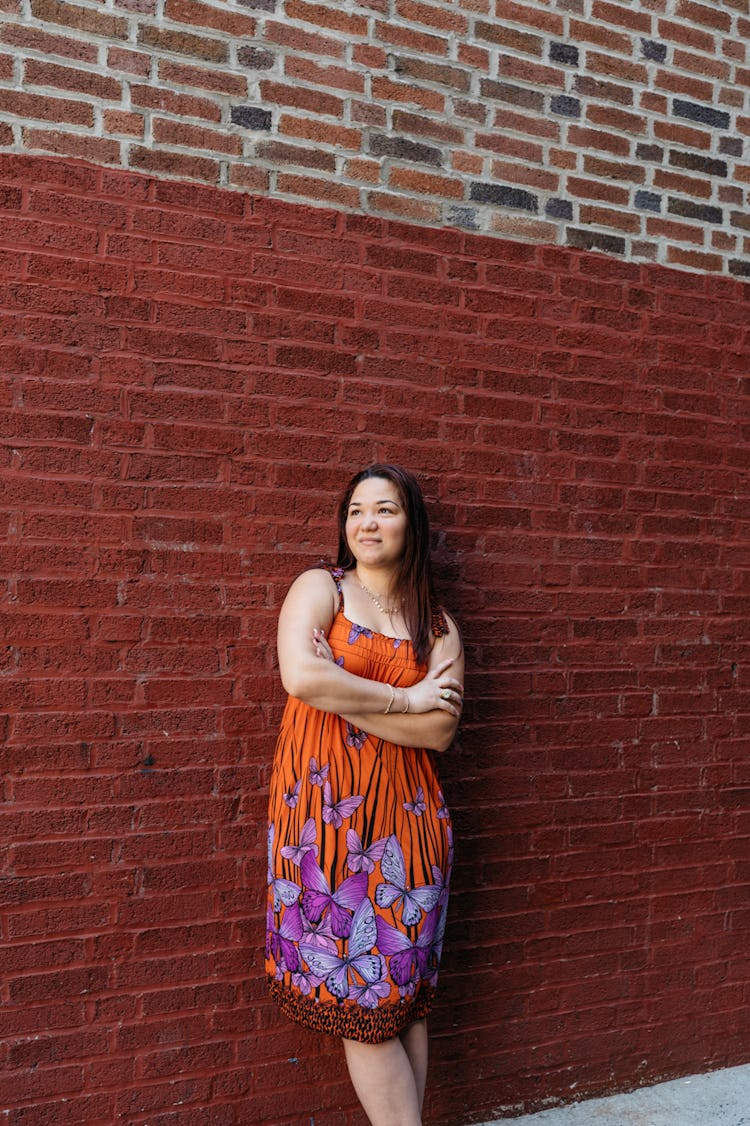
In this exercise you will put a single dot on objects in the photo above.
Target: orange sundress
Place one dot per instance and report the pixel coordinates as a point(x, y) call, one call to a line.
point(360, 849)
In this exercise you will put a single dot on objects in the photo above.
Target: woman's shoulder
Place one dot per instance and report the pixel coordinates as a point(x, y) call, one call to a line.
point(322, 580)
point(336, 573)
point(312, 592)
point(444, 624)
point(322, 576)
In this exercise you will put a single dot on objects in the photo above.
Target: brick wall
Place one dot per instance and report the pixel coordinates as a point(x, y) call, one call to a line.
point(189, 374)
point(616, 126)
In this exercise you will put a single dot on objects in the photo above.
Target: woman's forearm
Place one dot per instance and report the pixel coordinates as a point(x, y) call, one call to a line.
point(435, 729)
point(314, 677)
point(329, 688)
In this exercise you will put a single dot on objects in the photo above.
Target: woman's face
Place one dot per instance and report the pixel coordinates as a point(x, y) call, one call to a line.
point(376, 523)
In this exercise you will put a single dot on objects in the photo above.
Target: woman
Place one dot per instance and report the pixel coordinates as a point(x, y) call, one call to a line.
point(359, 838)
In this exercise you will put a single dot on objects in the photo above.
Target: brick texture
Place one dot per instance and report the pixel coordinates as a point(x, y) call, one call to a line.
point(490, 117)
point(189, 374)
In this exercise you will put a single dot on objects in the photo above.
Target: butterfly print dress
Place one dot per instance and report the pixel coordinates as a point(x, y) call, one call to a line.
point(359, 857)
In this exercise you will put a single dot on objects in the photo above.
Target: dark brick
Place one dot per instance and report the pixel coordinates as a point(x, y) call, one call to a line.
point(697, 162)
point(565, 106)
point(689, 210)
point(521, 40)
point(444, 131)
point(251, 117)
point(504, 196)
point(381, 145)
point(606, 91)
point(650, 49)
point(595, 240)
point(305, 156)
point(256, 58)
point(465, 217)
point(693, 111)
point(648, 201)
point(652, 153)
point(564, 53)
point(428, 71)
point(11, 199)
point(514, 95)
point(183, 43)
point(739, 268)
point(259, 5)
point(559, 209)
point(731, 146)
point(740, 219)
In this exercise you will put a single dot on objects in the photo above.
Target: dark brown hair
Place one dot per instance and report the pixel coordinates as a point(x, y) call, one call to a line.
point(414, 582)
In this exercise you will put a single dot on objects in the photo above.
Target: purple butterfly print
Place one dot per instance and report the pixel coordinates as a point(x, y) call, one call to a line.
point(357, 631)
point(318, 774)
point(355, 737)
point(269, 929)
point(443, 811)
point(359, 858)
point(334, 813)
point(291, 797)
point(370, 994)
point(414, 900)
point(284, 939)
point(340, 662)
point(318, 899)
point(409, 960)
point(397, 642)
point(305, 981)
point(358, 959)
point(436, 942)
point(306, 843)
point(449, 834)
point(319, 933)
point(441, 882)
point(283, 891)
point(418, 806)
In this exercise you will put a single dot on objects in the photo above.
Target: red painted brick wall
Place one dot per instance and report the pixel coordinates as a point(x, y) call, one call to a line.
point(615, 125)
point(188, 376)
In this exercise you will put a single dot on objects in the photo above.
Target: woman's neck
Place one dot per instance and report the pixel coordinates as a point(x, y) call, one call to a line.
point(379, 581)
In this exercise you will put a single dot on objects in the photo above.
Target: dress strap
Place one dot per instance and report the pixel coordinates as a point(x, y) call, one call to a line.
point(439, 621)
point(337, 574)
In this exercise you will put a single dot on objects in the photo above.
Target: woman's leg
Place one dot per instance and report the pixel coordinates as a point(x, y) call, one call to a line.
point(414, 1039)
point(384, 1081)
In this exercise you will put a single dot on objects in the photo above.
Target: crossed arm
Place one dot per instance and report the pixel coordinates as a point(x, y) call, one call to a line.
point(309, 673)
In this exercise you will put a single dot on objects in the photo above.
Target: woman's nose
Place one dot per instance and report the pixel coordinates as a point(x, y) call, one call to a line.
point(371, 521)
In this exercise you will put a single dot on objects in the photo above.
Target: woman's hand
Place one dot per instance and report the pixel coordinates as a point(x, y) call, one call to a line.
point(321, 646)
point(436, 691)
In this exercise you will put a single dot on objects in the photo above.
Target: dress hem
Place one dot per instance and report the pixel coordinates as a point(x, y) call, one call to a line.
point(368, 1026)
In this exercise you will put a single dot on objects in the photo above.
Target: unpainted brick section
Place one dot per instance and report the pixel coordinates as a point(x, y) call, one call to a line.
point(189, 375)
point(382, 89)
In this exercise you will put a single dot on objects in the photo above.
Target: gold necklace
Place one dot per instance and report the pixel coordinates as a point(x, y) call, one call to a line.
point(377, 601)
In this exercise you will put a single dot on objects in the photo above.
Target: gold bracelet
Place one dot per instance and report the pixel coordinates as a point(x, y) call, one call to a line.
point(390, 702)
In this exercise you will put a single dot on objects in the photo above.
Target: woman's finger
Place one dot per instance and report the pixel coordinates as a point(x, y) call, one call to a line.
point(320, 643)
point(452, 686)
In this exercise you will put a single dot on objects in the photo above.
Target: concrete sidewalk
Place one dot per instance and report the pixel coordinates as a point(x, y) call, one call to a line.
point(720, 1098)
